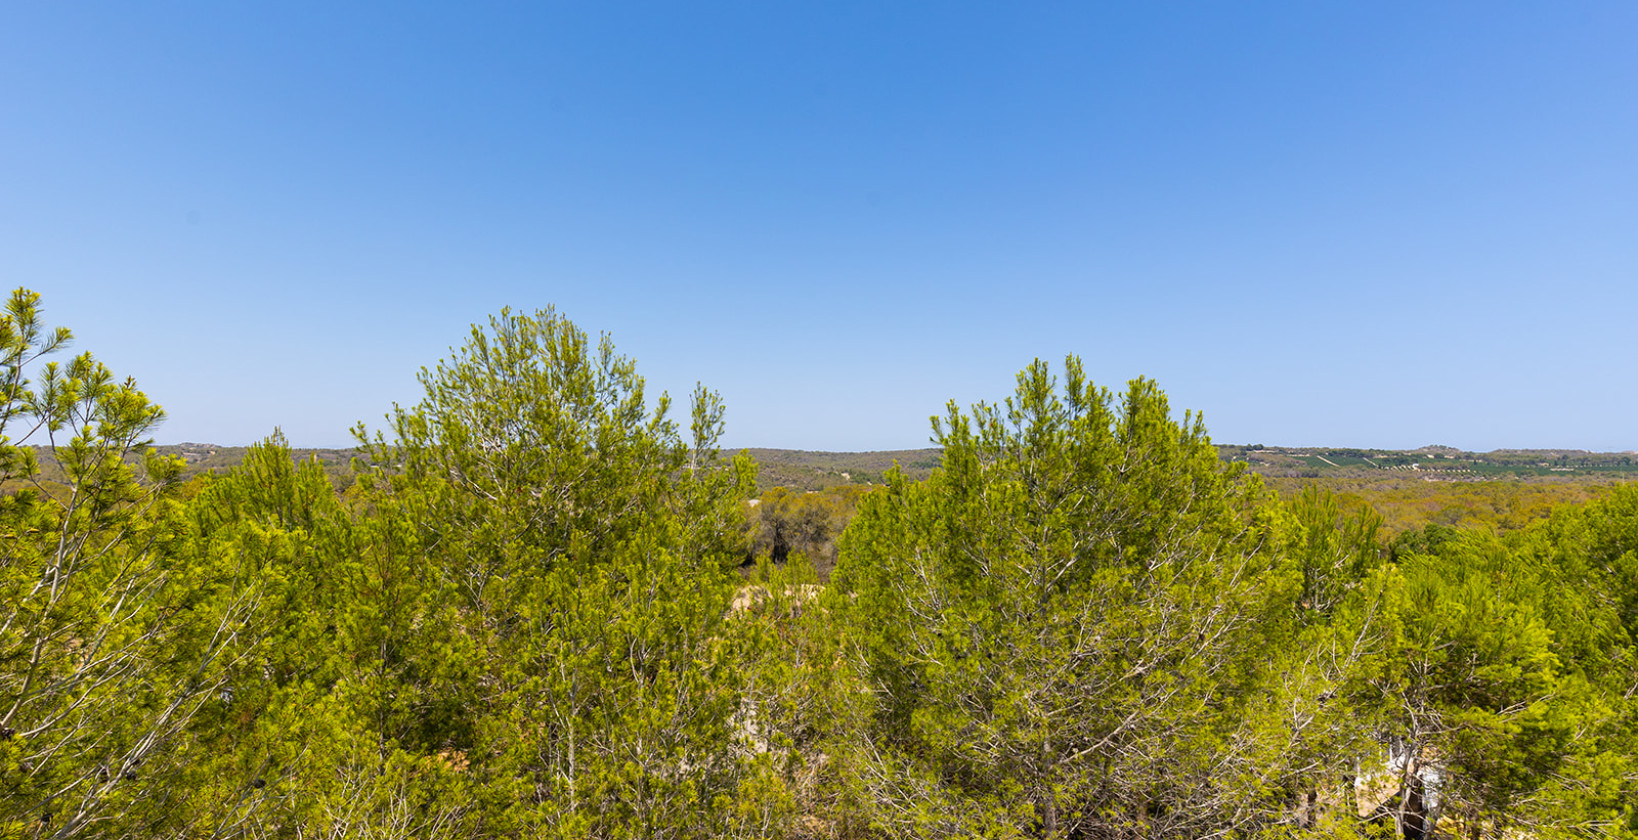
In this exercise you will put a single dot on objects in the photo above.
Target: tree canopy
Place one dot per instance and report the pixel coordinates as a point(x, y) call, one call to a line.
point(540, 606)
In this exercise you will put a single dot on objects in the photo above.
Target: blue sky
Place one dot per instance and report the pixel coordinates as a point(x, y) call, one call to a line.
point(1371, 224)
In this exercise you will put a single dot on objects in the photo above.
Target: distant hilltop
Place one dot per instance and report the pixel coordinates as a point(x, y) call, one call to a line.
point(813, 470)
point(1430, 462)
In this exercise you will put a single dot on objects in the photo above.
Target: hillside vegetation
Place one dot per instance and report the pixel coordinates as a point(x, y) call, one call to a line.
point(537, 605)
point(806, 498)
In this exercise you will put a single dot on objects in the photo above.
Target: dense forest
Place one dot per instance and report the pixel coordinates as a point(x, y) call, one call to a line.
point(536, 604)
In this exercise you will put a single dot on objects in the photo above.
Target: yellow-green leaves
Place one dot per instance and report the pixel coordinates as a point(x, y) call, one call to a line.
point(1062, 625)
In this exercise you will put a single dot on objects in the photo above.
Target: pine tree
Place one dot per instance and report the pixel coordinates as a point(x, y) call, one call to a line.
point(111, 641)
point(1062, 626)
point(589, 548)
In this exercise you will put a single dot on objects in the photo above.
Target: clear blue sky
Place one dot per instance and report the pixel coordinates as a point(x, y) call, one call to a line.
point(1370, 224)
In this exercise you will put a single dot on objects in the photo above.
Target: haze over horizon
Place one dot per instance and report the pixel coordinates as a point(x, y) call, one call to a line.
point(1375, 226)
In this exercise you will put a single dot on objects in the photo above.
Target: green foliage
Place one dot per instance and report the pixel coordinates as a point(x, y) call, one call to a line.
point(522, 616)
point(1063, 624)
point(113, 640)
point(786, 522)
point(1333, 551)
point(1480, 666)
point(800, 470)
point(803, 701)
point(590, 550)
